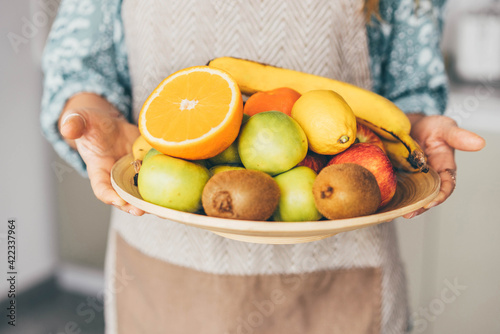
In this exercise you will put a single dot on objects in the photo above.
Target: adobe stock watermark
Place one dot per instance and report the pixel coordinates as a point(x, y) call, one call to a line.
point(60, 169)
point(425, 315)
point(88, 310)
point(471, 103)
point(31, 26)
point(262, 310)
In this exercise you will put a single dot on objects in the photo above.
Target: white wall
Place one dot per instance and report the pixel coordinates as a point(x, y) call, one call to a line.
point(27, 180)
point(454, 10)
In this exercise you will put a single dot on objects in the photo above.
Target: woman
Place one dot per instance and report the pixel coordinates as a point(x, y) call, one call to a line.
point(102, 61)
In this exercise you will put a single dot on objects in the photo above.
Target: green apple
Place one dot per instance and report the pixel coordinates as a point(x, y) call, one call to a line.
point(296, 201)
point(171, 182)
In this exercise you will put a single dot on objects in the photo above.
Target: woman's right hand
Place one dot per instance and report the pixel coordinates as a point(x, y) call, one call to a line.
point(101, 135)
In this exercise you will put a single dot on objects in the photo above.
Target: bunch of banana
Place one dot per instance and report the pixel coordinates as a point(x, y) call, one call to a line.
point(371, 109)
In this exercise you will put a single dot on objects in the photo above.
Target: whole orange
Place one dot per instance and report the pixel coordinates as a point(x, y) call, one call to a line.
point(279, 99)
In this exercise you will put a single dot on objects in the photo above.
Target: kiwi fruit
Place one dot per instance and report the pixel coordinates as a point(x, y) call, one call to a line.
point(346, 191)
point(241, 194)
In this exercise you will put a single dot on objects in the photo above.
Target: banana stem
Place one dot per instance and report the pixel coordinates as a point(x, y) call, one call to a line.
point(418, 160)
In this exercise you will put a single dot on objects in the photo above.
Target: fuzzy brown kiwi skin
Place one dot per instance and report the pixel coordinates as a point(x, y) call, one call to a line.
point(241, 194)
point(346, 191)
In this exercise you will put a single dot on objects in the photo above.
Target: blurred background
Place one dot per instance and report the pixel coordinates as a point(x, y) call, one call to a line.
point(61, 229)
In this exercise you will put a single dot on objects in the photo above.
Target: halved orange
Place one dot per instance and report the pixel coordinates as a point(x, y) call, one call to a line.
point(193, 114)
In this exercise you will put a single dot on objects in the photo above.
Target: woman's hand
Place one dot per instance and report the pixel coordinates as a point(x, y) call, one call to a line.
point(439, 136)
point(101, 135)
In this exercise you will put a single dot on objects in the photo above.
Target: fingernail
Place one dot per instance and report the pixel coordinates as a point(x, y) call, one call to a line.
point(67, 117)
point(133, 212)
point(413, 214)
point(430, 205)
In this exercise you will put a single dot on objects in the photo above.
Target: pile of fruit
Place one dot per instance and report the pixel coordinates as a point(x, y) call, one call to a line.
point(301, 147)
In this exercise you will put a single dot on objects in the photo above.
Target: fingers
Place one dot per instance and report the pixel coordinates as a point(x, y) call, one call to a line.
point(131, 209)
point(446, 171)
point(448, 183)
point(442, 159)
point(73, 125)
point(464, 140)
point(414, 213)
point(100, 182)
point(442, 136)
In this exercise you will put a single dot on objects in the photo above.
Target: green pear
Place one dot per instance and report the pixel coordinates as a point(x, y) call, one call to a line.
point(271, 142)
point(171, 182)
point(228, 156)
point(151, 153)
point(222, 168)
point(296, 201)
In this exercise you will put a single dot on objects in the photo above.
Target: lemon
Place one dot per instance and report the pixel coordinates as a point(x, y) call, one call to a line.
point(327, 120)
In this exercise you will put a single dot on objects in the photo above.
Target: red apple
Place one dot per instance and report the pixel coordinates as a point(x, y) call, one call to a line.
point(366, 135)
point(376, 161)
point(315, 161)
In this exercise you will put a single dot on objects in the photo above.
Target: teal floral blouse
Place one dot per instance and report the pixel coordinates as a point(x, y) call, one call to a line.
point(86, 52)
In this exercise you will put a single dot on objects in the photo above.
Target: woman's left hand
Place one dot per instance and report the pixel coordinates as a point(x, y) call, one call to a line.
point(439, 136)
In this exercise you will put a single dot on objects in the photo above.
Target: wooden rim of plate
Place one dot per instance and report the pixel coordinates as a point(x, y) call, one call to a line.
point(414, 191)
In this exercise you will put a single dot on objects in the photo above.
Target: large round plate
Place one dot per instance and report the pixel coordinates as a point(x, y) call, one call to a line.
point(414, 190)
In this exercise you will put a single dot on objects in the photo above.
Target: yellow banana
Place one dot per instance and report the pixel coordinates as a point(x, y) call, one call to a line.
point(377, 112)
point(140, 147)
point(398, 154)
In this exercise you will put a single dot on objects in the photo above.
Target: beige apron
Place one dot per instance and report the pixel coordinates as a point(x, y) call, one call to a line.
point(165, 277)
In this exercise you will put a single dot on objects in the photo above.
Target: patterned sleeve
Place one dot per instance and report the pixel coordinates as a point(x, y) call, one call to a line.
point(85, 52)
point(410, 70)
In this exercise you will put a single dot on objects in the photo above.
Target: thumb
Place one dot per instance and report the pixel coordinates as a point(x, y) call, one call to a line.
point(464, 140)
point(73, 125)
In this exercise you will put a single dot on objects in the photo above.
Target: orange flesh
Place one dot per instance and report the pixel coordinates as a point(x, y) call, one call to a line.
point(203, 114)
